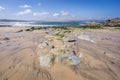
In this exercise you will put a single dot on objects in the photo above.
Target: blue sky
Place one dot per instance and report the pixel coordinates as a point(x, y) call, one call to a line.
point(59, 10)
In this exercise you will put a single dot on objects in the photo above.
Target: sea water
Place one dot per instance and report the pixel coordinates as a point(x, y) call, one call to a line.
point(44, 23)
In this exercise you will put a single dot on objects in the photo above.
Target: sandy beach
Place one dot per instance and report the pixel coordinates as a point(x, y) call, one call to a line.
point(97, 52)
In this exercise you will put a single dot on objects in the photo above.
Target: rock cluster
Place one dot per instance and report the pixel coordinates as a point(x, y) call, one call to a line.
point(113, 23)
point(57, 51)
point(94, 24)
point(108, 23)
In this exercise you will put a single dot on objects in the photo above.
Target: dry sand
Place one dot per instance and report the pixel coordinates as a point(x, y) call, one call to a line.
point(19, 61)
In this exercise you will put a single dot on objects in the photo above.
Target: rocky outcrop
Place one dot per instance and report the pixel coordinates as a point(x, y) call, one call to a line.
point(112, 23)
point(58, 51)
point(94, 24)
point(108, 23)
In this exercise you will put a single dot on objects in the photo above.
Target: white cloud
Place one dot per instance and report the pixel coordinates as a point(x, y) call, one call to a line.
point(40, 14)
point(25, 6)
point(2, 8)
point(64, 13)
point(61, 14)
point(64, 16)
point(56, 14)
point(27, 11)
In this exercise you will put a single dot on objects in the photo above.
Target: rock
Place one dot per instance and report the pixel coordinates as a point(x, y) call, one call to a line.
point(112, 23)
point(42, 45)
point(57, 52)
point(47, 32)
point(70, 58)
point(104, 52)
point(73, 40)
point(81, 55)
point(94, 24)
point(46, 60)
point(69, 39)
point(52, 47)
point(86, 37)
point(6, 39)
point(19, 31)
point(112, 62)
point(74, 43)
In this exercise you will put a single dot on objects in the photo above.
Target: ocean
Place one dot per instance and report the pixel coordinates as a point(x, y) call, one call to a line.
point(43, 24)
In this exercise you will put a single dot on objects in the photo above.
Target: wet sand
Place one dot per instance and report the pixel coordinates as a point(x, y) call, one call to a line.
point(19, 61)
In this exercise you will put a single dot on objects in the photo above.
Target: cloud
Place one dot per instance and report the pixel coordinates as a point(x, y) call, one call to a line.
point(27, 11)
point(63, 16)
point(40, 14)
point(2, 8)
point(25, 6)
point(64, 13)
point(56, 14)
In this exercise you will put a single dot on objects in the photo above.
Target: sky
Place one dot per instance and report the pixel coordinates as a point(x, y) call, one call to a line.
point(59, 10)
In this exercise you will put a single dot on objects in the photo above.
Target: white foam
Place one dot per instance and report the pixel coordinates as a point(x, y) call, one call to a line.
point(24, 24)
point(19, 24)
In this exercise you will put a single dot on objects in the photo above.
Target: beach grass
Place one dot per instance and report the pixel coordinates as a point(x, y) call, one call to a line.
point(58, 35)
point(66, 29)
point(60, 27)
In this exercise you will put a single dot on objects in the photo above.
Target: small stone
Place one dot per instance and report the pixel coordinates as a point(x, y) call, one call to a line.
point(52, 47)
point(74, 43)
point(72, 40)
point(47, 32)
point(74, 52)
point(112, 62)
point(104, 52)
point(6, 38)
